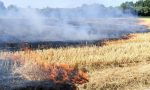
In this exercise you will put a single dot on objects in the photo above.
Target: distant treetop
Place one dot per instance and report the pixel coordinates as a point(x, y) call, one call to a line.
point(141, 7)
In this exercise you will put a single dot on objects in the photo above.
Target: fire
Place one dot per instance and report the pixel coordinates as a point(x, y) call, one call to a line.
point(64, 73)
point(57, 73)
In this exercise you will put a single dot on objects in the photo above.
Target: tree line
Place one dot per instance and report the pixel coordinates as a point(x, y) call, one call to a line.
point(84, 11)
point(141, 7)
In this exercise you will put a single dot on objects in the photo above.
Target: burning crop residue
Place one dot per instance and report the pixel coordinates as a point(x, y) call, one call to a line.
point(55, 27)
point(57, 73)
point(28, 75)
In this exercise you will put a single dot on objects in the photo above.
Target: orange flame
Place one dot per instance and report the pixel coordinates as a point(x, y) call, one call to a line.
point(64, 73)
point(58, 73)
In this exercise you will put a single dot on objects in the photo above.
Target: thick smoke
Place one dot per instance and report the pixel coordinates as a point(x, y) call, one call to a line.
point(88, 22)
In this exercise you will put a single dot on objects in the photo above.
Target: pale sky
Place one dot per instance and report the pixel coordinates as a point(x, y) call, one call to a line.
point(61, 3)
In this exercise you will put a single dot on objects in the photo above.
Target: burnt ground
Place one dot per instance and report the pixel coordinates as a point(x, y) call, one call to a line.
point(20, 45)
point(11, 81)
point(46, 85)
point(12, 46)
point(41, 85)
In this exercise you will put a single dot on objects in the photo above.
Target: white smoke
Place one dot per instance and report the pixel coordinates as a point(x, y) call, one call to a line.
point(89, 22)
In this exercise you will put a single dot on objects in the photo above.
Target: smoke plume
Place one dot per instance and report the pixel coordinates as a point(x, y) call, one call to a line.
point(88, 22)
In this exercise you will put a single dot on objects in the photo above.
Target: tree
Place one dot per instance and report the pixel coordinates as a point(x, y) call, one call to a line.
point(2, 6)
point(141, 7)
point(2, 9)
point(127, 5)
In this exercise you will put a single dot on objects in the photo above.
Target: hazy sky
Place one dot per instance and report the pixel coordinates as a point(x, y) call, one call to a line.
point(61, 3)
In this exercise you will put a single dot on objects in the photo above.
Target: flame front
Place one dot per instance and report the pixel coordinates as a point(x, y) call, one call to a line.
point(64, 73)
point(57, 73)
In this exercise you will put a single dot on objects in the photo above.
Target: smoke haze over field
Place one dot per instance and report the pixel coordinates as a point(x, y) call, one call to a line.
point(62, 3)
point(89, 22)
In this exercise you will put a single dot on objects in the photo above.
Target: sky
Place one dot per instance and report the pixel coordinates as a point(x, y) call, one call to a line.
point(61, 3)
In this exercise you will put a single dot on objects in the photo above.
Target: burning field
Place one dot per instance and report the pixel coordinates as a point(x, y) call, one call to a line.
point(19, 73)
point(118, 64)
point(73, 49)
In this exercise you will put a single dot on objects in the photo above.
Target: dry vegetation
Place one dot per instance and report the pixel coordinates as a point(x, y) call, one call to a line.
point(120, 64)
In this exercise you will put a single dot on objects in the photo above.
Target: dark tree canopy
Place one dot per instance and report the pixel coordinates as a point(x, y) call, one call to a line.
point(141, 7)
